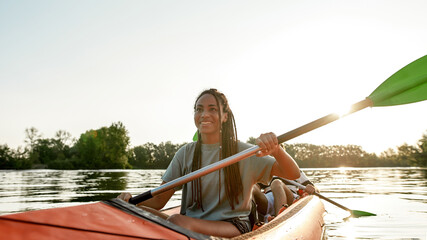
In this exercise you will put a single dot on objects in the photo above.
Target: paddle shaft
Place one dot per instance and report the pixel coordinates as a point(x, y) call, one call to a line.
point(244, 154)
point(194, 175)
point(317, 194)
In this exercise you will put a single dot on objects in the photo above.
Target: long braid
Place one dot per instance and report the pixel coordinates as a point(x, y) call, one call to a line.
point(233, 180)
point(228, 147)
point(196, 185)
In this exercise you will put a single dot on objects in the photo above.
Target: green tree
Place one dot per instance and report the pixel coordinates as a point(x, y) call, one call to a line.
point(44, 151)
point(31, 136)
point(116, 146)
point(406, 155)
point(103, 148)
point(164, 153)
point(62, 143)
point(251, 140)
point(310, 155)
point(6, 159)
point(152, 156)
point(143, 156)
point(421, 156)
point(10, 159)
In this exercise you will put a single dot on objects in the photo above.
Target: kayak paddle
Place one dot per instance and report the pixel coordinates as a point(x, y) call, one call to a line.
point(354, 213)
point(407, 85)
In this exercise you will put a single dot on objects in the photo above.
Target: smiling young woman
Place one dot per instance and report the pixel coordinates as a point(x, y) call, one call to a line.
point(207, 118)
point(219, 203)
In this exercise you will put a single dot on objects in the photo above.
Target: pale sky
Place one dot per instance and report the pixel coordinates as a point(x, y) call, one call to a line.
point(80, 65)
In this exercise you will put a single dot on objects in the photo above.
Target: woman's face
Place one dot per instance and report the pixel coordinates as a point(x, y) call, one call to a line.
point(206, 115)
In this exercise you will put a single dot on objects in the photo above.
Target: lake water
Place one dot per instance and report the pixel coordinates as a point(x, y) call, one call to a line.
point(397, 195)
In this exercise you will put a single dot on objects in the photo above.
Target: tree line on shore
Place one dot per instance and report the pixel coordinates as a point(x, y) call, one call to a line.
point(108, 148)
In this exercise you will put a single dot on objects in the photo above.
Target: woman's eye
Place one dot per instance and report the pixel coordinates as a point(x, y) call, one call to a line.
point(199, 110)
point(213, 109)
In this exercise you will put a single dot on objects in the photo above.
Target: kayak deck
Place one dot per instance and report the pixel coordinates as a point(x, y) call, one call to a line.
point(117, 220)
point(108, 220)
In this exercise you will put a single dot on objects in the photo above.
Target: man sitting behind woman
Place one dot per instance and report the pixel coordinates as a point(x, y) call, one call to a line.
point(273, 199)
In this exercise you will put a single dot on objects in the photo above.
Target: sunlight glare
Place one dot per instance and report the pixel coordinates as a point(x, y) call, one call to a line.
point(344, 110)
point(356, 107)
point(349, 231)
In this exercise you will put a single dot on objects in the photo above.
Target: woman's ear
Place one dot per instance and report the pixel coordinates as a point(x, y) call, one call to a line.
point(224, 117)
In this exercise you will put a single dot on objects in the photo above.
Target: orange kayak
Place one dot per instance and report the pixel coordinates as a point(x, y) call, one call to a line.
point(118, 220)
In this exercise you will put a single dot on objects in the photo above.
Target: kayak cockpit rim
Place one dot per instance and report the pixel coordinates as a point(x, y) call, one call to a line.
point(137, 212)
point(289, 213)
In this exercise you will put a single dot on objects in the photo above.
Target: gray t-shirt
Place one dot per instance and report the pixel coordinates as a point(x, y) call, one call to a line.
point(215, 205)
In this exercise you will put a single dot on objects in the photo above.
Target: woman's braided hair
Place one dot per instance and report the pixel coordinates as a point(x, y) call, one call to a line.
point(228, 147)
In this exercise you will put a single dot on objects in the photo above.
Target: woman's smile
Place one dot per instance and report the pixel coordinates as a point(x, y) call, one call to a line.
point(204, 123)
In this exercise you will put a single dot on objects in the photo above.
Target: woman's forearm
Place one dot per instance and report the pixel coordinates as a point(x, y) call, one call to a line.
point(285, 166)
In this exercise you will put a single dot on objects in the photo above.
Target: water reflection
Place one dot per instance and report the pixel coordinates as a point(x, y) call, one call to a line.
point(397, 195)
point(37, 189)
point(97, 186)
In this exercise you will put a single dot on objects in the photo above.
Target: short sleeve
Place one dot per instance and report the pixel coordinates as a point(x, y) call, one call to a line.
point(263, 171)
point(259, 168)
point(176, 167)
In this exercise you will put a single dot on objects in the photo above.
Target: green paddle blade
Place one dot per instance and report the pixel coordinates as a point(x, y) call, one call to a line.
point(357, 213)
point(408, 85)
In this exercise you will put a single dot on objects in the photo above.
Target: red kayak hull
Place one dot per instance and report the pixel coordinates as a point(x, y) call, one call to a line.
point(117, 220)
point(302, 220)
point(89, 221)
